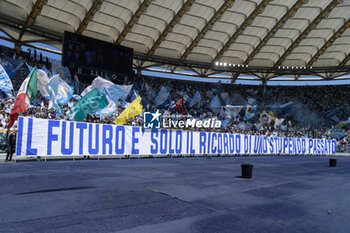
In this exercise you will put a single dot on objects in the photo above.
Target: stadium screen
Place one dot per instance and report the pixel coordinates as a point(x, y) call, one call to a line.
point(92, 54)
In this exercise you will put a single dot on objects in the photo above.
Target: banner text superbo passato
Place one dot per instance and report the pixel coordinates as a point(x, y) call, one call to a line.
point(51, 137)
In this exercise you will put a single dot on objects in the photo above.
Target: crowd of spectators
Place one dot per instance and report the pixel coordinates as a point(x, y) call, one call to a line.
point(305, 117)
point(309, 109)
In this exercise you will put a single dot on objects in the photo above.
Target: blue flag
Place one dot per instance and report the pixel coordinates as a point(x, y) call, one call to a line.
point(44, 68)
point(5, 82)
point(114, 91)
point(250, 112)
point(226, 98)
point(66, 75)
point(60, 91)
point(109, 109)
point(196, 98)
point(215, 104)
point(162, 96)
point(4, 95)
point(11, 65)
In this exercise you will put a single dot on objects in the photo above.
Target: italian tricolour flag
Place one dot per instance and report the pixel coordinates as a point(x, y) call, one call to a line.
point(25, 95)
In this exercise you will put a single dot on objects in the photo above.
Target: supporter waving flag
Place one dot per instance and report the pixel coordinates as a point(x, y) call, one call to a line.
point(162, 96)
point(108, 110)
point(196, 99)
point(278, 122)
point(4, 95)
point(60, 90)
point(265, 118)
point(5, 82)
point(43, 81)
point(250, 112)
point(114, 91)
point(11, 65)
point(226, 98)
point(26, 94)
point(215, 105)
point(343, 125)
point(137, 107)
point(90, 103)
point(234, 110)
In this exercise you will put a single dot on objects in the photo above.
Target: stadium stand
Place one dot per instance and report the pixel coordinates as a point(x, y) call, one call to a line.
point(306, 111)
point(94, 95)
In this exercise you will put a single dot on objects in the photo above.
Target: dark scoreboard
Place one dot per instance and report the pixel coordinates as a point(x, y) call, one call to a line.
point(96, 56)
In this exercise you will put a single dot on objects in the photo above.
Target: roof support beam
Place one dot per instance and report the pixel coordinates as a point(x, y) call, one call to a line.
point(207, 27)
point(37, 41)
point(38, 6)
point(9, 35)
point(134, 19)
point(15, 24)
point(31, 45)
point(234, 77)
point(185, 7)
point(340, 31)
point(96, 4)
point(241, 29)
point(346, 59)
point(311, 26)
point(13, 40)
point(272, 32)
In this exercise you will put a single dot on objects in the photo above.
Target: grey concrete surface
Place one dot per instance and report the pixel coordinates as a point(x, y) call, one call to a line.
point(286, 194)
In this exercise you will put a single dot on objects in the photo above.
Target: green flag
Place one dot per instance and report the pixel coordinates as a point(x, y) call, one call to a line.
point(32, 88)
point(90, 103)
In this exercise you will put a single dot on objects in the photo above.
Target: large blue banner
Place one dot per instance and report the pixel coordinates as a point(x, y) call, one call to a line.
point(41, 137)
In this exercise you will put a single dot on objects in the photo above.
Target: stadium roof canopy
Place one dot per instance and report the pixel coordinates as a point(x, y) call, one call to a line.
point(295, 39)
